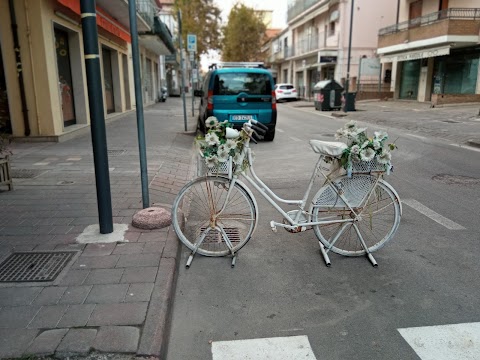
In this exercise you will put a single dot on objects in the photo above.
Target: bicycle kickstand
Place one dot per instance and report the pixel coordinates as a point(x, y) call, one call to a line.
point(369, 254)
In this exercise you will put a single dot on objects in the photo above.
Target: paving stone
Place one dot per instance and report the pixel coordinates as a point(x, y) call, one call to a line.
point(104, 276)
point(154, 247)
point(132, 236)
point(98, 249)
point(77, 341)
point(157, 235)
point(76, 316)
point(117, 339)
point(49, 295)
point(139, 292)
point(118, 314)
point(75, 294)
point(139, 275)
point(17, 316)
point(139, 260)
point(112, 293)
point(96, 262)
point(14, 342)
point(129, 248)
point(74, 277)
point(46, 343)
point(17, 296)
point(48, 317)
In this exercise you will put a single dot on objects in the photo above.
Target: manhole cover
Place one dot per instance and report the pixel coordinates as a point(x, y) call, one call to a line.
point(116, 152)
point(456, 179)
point(26, 173)
point(215, 237)
point(34, 266)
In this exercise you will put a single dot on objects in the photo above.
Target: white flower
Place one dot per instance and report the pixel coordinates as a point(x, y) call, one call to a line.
point(211, 122)
point(237, 159)
point(211, 161)
point(384, 157)
point(380, 135)
point(339, 134)
point(351, 125)
point(222, 154)
point(230, 144)
point(367, 154)
point(376, 144)
point(355, 149)
point(365, 144)
point(212, 139)
point(222, 148)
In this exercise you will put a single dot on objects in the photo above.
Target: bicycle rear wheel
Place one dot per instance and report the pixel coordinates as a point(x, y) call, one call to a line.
point(202, 201)
point(379, 216)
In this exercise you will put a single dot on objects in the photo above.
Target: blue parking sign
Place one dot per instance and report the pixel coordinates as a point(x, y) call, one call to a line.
point(192, 43)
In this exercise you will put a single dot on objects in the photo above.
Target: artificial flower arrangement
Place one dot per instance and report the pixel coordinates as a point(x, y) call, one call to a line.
point(362, 148)
point(215, 148)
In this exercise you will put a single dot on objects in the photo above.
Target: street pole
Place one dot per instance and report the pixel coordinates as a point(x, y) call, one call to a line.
point(193, 97)
point(181, 67)
point(97, 116)
point(347, 81)
point(137, 76)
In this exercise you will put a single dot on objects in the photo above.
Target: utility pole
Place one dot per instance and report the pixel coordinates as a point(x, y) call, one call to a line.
point(97, 116)
point(182, 67)
point(137, 76)
point(347, 81)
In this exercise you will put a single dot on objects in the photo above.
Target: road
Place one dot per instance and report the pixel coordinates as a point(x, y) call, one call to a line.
point(427, 275)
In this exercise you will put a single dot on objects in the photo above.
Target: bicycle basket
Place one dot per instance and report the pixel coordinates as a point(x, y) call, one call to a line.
point(223, 168)
point(362, 167)
point(355, 189)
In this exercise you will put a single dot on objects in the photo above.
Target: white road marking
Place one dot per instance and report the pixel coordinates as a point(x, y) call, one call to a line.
point(445, 342)
point(416, 136)
point(449, 224)
point(295, 139)
point(280, 130)
point(285, 348)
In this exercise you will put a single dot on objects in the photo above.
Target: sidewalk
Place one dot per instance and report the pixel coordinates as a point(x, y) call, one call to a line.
point(459, 124)
point(111, 297)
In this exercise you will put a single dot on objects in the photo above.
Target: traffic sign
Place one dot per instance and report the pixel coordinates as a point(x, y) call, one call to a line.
point(192, 43)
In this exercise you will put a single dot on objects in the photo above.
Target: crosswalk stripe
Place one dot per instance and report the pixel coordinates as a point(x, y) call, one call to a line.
point(285, 348)
point(449, 224)
point(445, 342)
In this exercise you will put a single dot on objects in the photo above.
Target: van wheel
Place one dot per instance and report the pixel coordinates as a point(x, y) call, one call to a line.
point(270, 135)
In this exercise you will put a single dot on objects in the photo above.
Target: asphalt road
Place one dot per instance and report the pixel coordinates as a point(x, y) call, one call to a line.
point(427, 275)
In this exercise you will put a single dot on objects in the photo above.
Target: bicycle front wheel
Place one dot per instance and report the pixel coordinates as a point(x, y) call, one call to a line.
point(214, 224)
point(378, 217)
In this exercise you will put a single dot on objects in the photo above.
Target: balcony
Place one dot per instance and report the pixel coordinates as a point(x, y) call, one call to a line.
point(299, 7)
point(307, 45)
point(158, 39)
point(435, 27)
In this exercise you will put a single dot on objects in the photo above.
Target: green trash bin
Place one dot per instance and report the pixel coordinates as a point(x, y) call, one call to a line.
point(349, 101)
point(327, 95)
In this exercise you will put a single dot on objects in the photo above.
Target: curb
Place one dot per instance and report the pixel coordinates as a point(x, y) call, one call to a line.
point(474, 143)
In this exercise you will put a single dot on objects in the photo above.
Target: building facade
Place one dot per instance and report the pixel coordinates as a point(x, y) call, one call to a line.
point(315, 44)
point(433, 51)
point(42, 71)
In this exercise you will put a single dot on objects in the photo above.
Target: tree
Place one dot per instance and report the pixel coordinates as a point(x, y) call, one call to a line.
point(202, 18)
point(243, 35)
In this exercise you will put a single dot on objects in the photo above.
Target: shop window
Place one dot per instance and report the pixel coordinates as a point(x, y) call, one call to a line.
point(456, 74)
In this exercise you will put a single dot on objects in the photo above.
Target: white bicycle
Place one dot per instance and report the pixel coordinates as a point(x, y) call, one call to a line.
point(351, 215)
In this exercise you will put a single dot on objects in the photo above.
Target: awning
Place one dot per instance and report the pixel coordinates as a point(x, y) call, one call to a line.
point(415, 55)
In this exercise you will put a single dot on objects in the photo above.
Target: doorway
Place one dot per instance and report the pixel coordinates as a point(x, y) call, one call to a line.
point(65, 84)
point(108, 80)
point(410, 79)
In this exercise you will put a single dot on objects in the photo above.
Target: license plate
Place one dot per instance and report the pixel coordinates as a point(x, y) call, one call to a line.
point(242, 117)
point(287, 92)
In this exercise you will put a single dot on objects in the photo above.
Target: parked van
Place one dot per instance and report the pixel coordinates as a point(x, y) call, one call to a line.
point(237, 93)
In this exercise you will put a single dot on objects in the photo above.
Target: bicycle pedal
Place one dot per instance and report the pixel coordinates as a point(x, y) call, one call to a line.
point(273, 226)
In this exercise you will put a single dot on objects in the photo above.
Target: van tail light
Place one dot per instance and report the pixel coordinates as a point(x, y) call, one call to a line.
point(274, 101)
point(210, 100)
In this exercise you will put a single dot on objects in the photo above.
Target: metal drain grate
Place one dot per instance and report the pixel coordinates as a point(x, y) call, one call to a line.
point(34, 266)
point(116, 152)
point(215, 237)
point(26, 173)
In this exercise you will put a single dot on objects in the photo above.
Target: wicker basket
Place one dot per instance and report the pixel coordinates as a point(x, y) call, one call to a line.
point(225, 168)
point(365, 167)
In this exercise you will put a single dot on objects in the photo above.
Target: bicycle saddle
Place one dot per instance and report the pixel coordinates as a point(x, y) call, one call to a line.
point(328, 148)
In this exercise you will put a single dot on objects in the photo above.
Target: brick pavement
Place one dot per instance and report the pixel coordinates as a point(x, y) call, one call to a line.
point(113, 297)
point(459, 124)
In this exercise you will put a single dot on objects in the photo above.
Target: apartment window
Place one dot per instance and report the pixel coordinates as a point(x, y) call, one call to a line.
point(331, 28)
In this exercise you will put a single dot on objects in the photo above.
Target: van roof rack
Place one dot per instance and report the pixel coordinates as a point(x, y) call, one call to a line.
point(221, 65)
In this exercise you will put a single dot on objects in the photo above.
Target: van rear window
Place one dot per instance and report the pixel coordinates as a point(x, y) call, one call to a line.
point(236, 83)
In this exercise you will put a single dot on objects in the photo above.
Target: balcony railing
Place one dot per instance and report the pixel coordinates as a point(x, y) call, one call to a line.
point(452, 13)
point(147, 10)
point(300, 6)
point(307, 45)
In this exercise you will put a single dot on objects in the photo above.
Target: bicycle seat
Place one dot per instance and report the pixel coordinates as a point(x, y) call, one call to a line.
point(328, 148)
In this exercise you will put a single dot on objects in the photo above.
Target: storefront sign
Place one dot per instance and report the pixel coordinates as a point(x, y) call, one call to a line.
point(423, 54)
point(328, 59)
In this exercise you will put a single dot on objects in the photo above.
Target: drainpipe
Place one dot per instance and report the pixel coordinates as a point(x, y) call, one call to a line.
point(18, 61)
